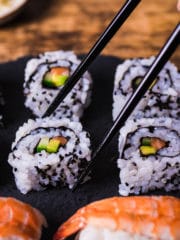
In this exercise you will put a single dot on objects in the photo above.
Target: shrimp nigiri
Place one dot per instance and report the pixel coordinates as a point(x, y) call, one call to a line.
point(19, 221)
point(117, 218)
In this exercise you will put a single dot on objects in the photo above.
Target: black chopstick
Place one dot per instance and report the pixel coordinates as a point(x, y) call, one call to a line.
point(106, 36)
point(163, 56)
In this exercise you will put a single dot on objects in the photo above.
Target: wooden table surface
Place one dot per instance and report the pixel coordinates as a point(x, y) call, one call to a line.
point(47, 25)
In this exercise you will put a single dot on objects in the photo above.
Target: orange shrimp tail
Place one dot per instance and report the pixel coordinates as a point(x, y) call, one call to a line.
point(73, 225)
point(18, 219)
point(130, 214)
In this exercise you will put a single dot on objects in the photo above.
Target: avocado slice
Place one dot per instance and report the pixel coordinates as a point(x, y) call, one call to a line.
point(47, 80)
point(42, 145)
point(59, 80)
point(148, 150)
point(138, 80)
point(146, 141)
point(53, 145)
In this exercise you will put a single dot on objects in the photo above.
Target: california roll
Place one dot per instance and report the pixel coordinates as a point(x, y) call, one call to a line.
point(149, 156)
point(163, 96)
point(46, 75)
point(49, 152)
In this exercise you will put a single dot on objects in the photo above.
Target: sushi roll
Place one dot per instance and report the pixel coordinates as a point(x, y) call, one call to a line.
point(149, 156)
point(125, 218)
point(19, 221)
point(49, 152)
point(162, 98)
point(46, 75)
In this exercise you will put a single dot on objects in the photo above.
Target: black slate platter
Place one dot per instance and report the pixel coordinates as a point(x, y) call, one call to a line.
point(59, 204)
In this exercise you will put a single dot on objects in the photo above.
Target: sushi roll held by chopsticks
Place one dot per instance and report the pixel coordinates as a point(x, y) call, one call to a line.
point(19, 221)
point(163, 96)
point(46, 75)
point(125, 218)
point(49, 152)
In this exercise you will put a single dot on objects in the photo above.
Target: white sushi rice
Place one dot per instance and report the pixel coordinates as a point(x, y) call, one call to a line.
point(38, 98)
point(92, 233)
point(139, 174)
point(37, 171)
point(162, 100)
point(95, 233)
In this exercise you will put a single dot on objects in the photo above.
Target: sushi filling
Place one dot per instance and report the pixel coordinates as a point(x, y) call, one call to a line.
point(55, 77)
point(151, 145)
point(50, 145)
point(150, 141)
point(136, 81)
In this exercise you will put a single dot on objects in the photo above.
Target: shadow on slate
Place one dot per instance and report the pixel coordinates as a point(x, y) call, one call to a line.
point(59, 204)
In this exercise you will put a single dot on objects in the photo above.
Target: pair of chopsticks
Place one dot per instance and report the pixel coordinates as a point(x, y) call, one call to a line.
point(161, 59)
point(163, 56)
point(103, 40)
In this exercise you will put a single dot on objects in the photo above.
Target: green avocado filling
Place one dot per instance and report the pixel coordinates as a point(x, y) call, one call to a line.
point(136, 81)
point(42, 145)
point(50, 145)
point(56, 77)
point(151, 145)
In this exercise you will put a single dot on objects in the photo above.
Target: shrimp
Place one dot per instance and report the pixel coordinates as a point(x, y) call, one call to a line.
point(150, 217)
point(19, 221)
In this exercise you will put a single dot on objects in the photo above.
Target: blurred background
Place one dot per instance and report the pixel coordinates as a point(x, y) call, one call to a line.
point(46, 25)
